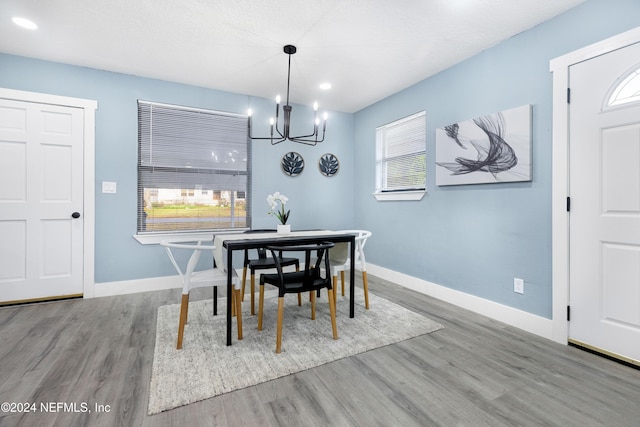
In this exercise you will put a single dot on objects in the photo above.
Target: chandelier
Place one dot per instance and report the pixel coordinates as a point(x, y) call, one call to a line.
point(282, 130)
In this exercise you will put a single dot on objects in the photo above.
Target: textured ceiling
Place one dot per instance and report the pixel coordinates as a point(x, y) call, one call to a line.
point(367, 49)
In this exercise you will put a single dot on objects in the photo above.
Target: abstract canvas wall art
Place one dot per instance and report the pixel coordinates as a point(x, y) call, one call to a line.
point(489, 149)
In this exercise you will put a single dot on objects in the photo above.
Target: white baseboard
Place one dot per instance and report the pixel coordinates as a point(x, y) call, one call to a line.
point(511, 316)
point(520, 319)
point(108, 289)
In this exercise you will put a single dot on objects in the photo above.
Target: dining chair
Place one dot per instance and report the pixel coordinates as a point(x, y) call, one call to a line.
point(340, 262)
point(310, 280)
point(263, 262)
point(203, 278)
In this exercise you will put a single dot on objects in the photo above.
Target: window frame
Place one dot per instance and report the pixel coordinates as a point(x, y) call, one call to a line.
point(612, 100)
point(384, 194)
point(154, 237)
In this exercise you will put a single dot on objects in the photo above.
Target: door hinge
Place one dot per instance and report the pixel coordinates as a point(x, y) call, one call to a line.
point(568, 95)
point(568, 204)
point(568, 313)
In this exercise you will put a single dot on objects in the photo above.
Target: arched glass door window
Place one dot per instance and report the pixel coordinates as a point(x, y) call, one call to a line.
point(627, 91)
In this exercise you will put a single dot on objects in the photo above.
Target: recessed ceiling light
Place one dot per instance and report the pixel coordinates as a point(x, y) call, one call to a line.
point(25, 23)
point(325, 86)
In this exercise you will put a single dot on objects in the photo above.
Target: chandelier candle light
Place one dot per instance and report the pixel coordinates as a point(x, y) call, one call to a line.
point(312, 138)
point(272, 200)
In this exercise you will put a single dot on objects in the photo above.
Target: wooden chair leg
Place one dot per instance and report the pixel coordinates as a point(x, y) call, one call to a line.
point(233, 303)
point(279, 328)
point(335, 286)
point(184, 307)
point(342, 280)
point(299, 299)
point(253, 290)
point(239, 312)
point(332, 311)
point(244, 280)
point(365, 286)
point(260, 307)
point(186, 310)
point(313, 305)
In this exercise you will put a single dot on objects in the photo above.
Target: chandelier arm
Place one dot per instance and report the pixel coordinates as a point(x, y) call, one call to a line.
point(265, 137)
point(312, 135)
point(261, 137)
point(280, 134)
point(303, 139)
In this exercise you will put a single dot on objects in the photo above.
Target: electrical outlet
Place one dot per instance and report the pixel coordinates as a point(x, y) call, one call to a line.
point(518, 285)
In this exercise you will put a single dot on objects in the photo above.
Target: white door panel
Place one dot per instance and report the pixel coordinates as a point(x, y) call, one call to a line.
point(13, 251)
point(605, 208)
point(41, 185)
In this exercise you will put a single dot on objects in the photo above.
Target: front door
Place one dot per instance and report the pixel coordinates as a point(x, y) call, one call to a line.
point(41, 201)
point(604, 126)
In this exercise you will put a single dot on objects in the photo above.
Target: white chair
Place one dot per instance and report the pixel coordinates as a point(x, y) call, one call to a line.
point(197, 279)
point(340, 261)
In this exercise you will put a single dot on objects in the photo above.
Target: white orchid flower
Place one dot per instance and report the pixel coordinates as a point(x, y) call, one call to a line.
point(272, 201)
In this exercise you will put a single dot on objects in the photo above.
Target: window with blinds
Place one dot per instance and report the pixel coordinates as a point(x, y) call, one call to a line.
point(194, 170)
point(401, 155)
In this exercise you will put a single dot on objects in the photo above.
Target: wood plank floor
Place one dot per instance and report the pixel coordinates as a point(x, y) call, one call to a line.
point(474, 372)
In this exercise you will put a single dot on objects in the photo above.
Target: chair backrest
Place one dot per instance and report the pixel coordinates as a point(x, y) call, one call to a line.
point(361, 240)
point(262, 253)
point(312, 271)
point(196, 247)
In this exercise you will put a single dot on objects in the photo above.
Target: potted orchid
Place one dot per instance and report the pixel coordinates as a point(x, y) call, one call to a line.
point(272, 200)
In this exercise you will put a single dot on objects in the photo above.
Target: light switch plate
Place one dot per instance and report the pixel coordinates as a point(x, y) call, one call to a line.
point(109, 187)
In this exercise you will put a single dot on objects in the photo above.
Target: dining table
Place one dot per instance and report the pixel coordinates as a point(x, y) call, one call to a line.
point(227, 244)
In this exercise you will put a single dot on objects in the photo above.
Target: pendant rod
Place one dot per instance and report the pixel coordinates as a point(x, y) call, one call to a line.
point(288, 78)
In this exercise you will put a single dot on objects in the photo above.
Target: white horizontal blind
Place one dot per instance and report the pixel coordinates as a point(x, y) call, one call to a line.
point(193, 169)
point(401, 154)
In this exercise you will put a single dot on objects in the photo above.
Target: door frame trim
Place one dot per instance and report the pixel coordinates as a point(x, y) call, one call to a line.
point(89, 107)
point(560, 173)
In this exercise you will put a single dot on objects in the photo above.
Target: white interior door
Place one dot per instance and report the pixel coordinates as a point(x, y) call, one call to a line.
point(604, 184)
point(41, 187)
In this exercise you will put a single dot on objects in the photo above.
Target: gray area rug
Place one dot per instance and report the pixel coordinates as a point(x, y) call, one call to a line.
point(206, 367)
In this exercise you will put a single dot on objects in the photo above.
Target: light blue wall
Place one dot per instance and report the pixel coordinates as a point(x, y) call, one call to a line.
point(315, 201)
point(471, 238)
point(477, 238)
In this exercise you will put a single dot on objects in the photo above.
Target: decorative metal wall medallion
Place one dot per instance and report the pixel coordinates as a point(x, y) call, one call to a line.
point(292, 164)
point(328, 164)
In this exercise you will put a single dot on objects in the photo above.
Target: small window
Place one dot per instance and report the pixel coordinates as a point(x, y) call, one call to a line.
point(627, 91)
point(401, 168)
point(193, 170)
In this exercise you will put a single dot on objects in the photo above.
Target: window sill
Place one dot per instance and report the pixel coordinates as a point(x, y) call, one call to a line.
point(155, 239)
point(399, 195)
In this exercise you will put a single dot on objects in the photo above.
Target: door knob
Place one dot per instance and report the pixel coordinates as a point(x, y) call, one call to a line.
point(75, 215)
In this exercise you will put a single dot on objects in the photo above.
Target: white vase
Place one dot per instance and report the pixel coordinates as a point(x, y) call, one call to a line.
point(284, 228)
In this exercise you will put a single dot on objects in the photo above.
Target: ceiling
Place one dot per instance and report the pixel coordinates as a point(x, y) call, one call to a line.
point(366, 49)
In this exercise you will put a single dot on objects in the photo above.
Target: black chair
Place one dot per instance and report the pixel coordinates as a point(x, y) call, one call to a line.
point(309, 280)
point(261, 263)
